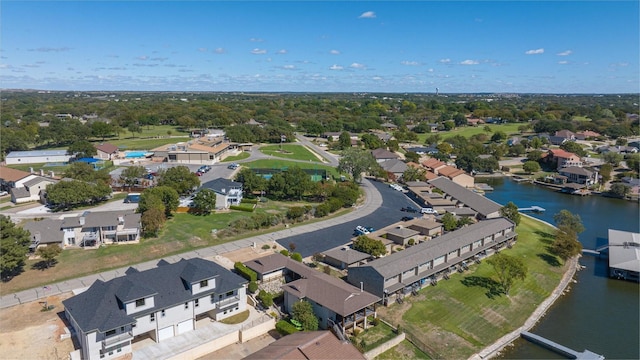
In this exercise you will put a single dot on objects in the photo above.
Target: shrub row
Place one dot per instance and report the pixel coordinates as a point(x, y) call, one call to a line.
point(242, 208)
point(245, 272)
point(285, 328)
point(249, 201)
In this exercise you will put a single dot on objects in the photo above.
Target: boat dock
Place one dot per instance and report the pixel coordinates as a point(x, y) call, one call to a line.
point(559, 349)
point(533, 208)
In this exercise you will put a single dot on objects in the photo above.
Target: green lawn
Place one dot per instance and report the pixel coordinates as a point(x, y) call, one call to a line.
point(243, 155)
point(289, 151)
point(461, 316)
point(375, 336)
point(468, 131)
point(403, 351)
point(279, 164)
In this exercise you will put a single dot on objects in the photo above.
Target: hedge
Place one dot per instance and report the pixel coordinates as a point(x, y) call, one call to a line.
point(245, 272)
point(248, 201)
point(241, 208)
point(285, 328)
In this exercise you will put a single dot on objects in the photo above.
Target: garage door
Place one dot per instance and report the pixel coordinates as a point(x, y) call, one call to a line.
point(165, 333)
point(185, 326)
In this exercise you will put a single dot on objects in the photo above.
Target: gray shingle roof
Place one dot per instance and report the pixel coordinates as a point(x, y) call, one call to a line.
point(36, 180)
point(624, 257)
point(20, 193)
point(475, 201)
point(221, 185)
point(346, 255)
point(401, 261)
point(383, 154)
point(99, 307)
point(49, 231)
point(308, 345)
point(394, 166)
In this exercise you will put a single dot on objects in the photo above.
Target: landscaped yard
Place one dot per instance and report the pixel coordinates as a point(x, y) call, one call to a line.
point(468, 131)
point(243, 155)
point(282, 164)
point(461, 316)
point(290, 151)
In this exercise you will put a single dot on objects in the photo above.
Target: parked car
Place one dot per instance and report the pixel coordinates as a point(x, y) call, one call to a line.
point(409, 209)
point(3, 193)
point(233, 166)
point(361, 230)
point(428, 210)
point(396, 187)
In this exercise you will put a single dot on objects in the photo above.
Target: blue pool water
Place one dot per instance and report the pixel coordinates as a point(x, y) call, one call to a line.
point(134, 154)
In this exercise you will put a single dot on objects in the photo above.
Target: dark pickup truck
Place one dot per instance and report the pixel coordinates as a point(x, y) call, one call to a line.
point(409, 209)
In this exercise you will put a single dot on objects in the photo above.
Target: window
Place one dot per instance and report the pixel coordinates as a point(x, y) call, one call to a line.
point(139, 302)
point(197, 302)
point(230, 293)
point(152, 317)
point(213, 298)
point(111, 332)
point(186, 305)
point(121, 328)
point(162, 314)
point(204, 283)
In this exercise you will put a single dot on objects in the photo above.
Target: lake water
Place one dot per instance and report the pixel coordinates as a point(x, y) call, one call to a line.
point(598, 313)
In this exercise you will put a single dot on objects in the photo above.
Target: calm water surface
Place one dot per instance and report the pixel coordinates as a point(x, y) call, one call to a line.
point(598, 313)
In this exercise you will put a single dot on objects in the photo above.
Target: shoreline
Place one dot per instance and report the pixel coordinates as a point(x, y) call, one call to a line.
point(494, 349)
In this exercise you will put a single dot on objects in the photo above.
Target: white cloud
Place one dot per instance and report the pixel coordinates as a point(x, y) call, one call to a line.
point(51, 49)
point(565, 53)
point(335, 67)
point(289, 67)
point(535, 51)
point(144, 57)
point(376, 78)
point(410, 63)
point(219, 50)
point(563, 62)
point(256, 40)
point(445, 61)
point(469, 62)
point(257, 51)
point(334, 52)
point(357, 66)
point(367, 15)
point(202, 49)
point(430, 70)
point(282, 51)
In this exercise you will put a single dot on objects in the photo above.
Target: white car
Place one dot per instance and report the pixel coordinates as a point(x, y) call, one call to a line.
point(396, 187)
point(428, 211)
point(3, 193)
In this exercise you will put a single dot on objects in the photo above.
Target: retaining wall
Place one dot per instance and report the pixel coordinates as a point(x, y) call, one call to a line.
point(372, 354)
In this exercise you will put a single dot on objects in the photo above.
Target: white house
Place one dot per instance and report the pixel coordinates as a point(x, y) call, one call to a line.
point(97, 228)
point(37, 157)
point(227, 192)
point(158, 303)
point(30, 190)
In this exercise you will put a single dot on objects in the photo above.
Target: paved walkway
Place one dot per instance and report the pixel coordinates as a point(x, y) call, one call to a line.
point(373, 200)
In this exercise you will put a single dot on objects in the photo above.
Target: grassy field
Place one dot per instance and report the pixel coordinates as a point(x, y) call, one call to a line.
point(243, 155)
point(375, 336)
point(468, 131)
point(279, 164)
point(294, 152)
point(403, 351)
point(461, 316)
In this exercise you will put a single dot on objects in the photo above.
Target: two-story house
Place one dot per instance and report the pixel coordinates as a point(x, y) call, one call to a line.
point(563, 158)
point(31, 190)
point(227, 192)
point(97, 228)
point(158, 303)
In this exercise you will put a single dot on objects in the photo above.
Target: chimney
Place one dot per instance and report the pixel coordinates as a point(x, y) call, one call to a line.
point(41, 172)
point(82, 220)
point(31, 170)
point(361, 290)
point(52, 174)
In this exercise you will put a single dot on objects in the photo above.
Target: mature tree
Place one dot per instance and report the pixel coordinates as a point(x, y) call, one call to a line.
point(619, 190)
point(14, 245)
point(498, 136)
point(131, 174)
point(566, 244)
point(605, 172)
point(412, 156)
point(167, 195)
point(356, 161)
point(393, 145)
point(251, 182)
point(449, 222)
point(371, 141)
point(612, 158)
point(48, 254)
point(508, 269)
point(510, 211)
point(134, 128)
point(82, 149)
point(303, 312)
point(152, 220)
point(68, 194)
point(413, 174)
point(370, 246)
point(344, 141)
point(534, 155)
point(180, 178)
point(460, 120)
point(633, 162)
point(566, 218)
point(531, 166)
point(102, 129)
point(298, 182)
point(205, 201)
point(85, 172)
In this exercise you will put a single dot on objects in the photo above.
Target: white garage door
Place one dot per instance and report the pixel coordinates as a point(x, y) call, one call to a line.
point(165, 333)
point(185, 326)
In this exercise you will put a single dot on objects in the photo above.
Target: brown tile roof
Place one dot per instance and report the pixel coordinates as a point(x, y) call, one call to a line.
point(308, 345)
point(9, 174)
point(107, 148)
point(450, 171)
point(433, 163)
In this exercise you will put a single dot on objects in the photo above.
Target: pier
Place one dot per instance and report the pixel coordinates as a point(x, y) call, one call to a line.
point(559, 349)
point(532, 209)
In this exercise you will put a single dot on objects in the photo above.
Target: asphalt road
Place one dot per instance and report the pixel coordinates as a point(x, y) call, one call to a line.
point(314, 242)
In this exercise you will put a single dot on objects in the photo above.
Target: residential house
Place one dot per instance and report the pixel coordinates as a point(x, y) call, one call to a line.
point(396, 167)
point(334, 301)
point(402, 235)
point(389, 126)
point(579, 175)
point(37, 157)
point(335, 135)
point(381, 155)
point(344, 257)
point(399, 273)
point(562, 158)
point(106, 151)
point(618, 149)
point(93, 229)
point(155, 304)
point(10, 178)
point(587, 134)
point(227, 192)
point(635, 144)
point(566, 134)
point(195, 152)
point(308, 345)
point(44, 232)
point(422, 150)
point(31, 190)
point(454, 174)
point(486, 208)
point(633, 184)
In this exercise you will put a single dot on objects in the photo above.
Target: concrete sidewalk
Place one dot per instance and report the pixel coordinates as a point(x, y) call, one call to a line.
point(373, 200)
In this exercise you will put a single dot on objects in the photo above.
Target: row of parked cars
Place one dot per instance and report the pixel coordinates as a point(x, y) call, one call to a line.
point(203, 169)
point(425, 210)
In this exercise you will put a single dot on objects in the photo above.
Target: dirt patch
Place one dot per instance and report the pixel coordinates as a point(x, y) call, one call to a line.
point(247, 254)
point(34, 334)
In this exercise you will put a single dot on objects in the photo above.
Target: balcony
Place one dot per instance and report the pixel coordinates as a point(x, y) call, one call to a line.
point(227, 301)
point(116, 339)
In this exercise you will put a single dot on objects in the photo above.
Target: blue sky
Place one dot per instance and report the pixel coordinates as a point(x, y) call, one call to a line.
point(325, 46)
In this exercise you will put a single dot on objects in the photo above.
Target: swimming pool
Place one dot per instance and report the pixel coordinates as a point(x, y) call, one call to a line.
point(134, 154)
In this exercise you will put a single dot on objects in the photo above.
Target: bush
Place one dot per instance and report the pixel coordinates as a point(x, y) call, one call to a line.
point(322, 210)
point(295, 213)
point(411, 242)
point(297, 257)
point(245, 272)
point(249, 201)
point(285, 252)
point(266, 247)
point(375, 322)
point(241, 208)
point(265, 298)
point(285, 328)
point(253, 287)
